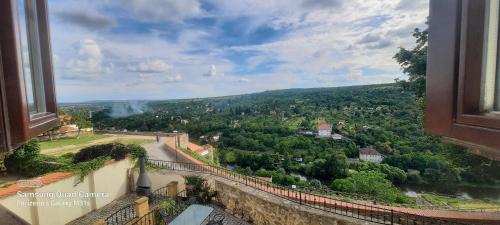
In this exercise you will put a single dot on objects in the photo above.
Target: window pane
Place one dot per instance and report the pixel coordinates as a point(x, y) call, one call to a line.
point(31, 56)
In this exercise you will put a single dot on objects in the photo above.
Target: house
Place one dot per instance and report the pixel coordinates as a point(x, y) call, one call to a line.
point(337, 137)
point(65, 119)
point(88, 129)
point(71, 128)
point(341, 122)
point(324, 130)
point(298, 159)
point(370, 154)
point(184, 122)
point(216, 137)
point(306, 132)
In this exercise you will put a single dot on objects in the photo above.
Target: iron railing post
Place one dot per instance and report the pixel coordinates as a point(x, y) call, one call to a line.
point(392, 216)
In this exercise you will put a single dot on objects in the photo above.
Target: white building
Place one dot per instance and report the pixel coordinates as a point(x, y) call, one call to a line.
point(337, 137)
point(324, 130)
point(370, 154)
point(216, 138)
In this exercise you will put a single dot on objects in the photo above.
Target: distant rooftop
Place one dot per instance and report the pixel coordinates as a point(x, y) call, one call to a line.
point(369, 151)
point(325, 126)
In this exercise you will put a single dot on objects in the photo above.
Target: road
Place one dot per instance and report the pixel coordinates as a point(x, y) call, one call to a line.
point(157, 151)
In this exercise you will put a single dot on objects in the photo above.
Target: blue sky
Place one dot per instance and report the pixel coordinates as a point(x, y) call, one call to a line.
point(164, 49)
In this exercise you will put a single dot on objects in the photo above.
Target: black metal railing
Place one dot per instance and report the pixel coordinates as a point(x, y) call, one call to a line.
point(156, 196)
point(122, 216)
point(127, 213)
point(150, 218)
point(366, 212)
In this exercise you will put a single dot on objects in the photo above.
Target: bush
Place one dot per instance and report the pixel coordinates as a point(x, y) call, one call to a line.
point(116, 151)
point(27, 161)
point(137, 151)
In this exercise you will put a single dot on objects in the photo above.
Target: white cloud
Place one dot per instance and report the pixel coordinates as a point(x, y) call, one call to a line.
point(150, 66)
point(154, 79)
point(315, 40)
point(365, 33)
point(88, 63)
point(163, 10)
point(213, 72)
point(173, 78)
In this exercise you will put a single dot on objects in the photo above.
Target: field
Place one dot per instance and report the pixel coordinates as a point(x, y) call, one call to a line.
point(61, 146)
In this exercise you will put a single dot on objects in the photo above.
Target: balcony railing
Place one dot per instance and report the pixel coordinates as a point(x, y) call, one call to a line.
point(122, 216)
point(366, 212)
point(127, 213)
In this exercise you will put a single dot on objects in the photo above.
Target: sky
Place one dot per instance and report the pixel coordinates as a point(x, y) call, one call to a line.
point(170, 49)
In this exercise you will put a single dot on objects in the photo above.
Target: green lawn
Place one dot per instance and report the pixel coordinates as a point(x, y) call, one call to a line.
point(70, 141)
point(62, 146)
point(459, 203)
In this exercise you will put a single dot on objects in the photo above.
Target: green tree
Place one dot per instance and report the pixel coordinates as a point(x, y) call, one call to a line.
point(373, 184)
point(414, 62)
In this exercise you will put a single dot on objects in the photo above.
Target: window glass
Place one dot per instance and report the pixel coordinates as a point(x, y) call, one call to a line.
point(31, 56)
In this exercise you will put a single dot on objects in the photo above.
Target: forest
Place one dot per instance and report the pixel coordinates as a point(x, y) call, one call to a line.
point(265, 134)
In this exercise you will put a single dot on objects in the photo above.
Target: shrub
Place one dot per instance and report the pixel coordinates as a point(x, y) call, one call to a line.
point(168, 207)
point(27, 161)
point(116, 151)
point(137, 151)
point(85, 168)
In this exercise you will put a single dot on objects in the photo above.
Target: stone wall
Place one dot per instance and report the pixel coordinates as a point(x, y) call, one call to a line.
point(265, 209)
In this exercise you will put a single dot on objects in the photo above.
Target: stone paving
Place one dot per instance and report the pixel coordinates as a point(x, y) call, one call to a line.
point(105, 211)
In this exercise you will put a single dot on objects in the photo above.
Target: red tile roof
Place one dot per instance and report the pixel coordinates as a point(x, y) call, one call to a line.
point(325, 126)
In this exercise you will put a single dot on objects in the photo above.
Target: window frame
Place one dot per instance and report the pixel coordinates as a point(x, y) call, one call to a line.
point(24, 126)
point(453, 77)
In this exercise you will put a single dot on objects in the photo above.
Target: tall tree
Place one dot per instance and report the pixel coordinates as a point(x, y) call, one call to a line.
point(414, 62)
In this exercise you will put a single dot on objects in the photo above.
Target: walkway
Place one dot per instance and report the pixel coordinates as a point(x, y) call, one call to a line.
point(156, 150)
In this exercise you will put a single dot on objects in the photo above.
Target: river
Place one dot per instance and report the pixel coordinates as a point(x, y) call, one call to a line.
point(461, 191)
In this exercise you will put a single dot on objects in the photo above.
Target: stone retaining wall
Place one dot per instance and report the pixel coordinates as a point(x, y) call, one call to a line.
point(261, 210)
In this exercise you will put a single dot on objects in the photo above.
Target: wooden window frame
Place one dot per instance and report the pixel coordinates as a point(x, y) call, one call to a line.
point(24, 126)
point(454, 65)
